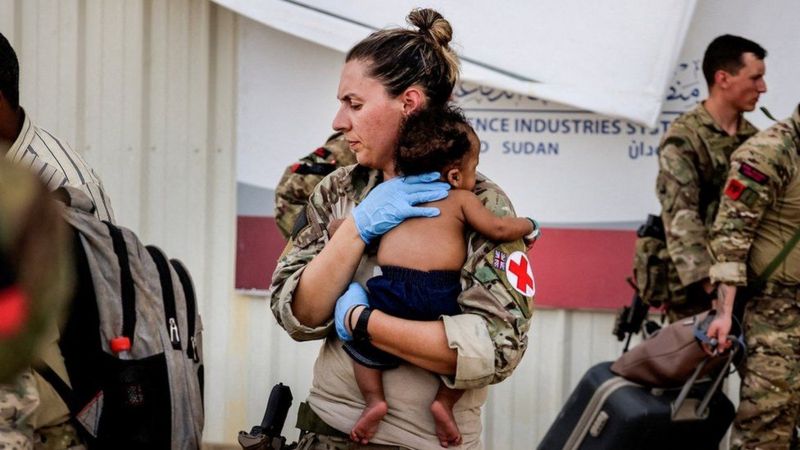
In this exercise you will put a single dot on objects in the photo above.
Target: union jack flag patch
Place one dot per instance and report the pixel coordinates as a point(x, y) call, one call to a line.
point(499, 260)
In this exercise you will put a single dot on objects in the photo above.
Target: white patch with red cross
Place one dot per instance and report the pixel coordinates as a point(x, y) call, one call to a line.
point(520, 274)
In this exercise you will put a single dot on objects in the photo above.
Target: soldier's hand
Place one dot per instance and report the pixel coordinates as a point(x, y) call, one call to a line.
point(718, 331)
point(392, 202)
point(354, 296)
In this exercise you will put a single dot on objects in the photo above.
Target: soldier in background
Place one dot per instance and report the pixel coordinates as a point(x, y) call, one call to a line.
point(35, 283)
point(755, 234)
point(299, 179)
point(693, 164)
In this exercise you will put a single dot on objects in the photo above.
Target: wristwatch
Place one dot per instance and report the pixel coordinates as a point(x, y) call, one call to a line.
point(360, 330)
point(536, 233)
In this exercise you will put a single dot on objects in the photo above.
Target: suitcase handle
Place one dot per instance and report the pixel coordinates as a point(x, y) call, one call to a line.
point(702, 409)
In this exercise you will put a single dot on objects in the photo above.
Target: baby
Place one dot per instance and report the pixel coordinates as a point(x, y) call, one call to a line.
point(421, 259)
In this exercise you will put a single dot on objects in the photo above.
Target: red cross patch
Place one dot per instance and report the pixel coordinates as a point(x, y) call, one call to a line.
point(520, 274)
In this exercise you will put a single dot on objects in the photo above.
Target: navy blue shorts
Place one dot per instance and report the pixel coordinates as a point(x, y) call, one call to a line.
point(408, 294)
point(414, 294)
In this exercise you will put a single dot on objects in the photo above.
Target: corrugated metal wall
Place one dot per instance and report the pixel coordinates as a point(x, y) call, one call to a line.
point(145, 90)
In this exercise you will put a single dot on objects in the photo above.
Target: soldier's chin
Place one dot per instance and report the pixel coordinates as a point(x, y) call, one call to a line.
point(362, 160)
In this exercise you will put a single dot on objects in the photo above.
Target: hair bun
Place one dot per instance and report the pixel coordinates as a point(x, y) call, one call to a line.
point(431, 24)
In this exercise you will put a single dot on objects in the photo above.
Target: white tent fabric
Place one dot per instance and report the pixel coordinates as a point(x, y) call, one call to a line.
point(613, 58)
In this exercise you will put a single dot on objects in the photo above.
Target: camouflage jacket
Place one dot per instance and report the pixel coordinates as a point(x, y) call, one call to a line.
point(490, 337)
point(299, 179)
point(760, 208)
point(487, 293)
point(693, 164)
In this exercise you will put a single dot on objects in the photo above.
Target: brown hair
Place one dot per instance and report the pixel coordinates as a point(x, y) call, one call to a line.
point(400, 57)
point(725, 53)
point(433, 140)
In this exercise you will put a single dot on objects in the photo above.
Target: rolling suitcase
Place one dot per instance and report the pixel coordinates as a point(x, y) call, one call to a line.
point(606, 411)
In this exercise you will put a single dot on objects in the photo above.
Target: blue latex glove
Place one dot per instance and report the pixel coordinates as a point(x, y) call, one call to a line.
point(393, 201)
point(354, 295)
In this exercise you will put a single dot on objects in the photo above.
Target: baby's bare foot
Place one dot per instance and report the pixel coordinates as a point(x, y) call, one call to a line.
point(446, 428)
point(367, 424)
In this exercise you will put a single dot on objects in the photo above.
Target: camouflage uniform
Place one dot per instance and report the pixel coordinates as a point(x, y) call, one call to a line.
point(490, 337)
point(299, 179)
point(693, 164)
point(314, 441)
point(17, 403)
point(36, 245)
point(759, 213)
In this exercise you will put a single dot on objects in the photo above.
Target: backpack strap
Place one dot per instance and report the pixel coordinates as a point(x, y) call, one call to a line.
point(127, 289)
point(62, 389)
point(779, 258)
point(168, 295)
point(191, 307)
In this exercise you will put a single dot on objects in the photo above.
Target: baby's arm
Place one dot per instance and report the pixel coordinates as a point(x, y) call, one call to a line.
point(502, 229)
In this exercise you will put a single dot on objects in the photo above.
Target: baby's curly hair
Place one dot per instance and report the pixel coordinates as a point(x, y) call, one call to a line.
point(433, 140)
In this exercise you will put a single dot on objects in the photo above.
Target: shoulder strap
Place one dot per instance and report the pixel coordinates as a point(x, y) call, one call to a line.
point(168, 295)
point(127, 289)
point(779, 258)
point(191, 307)
point(62, 389)
point(70, 398)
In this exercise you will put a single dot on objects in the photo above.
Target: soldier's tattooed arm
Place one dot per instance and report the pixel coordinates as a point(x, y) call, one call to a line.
point(721, 326)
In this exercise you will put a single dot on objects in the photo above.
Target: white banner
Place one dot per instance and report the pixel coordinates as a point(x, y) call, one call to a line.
point(542, 153)
point(613, 58)
point(564, 165)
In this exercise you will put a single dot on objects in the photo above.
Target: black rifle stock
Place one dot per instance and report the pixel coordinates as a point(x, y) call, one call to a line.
point(267, 436)
point(629, 320)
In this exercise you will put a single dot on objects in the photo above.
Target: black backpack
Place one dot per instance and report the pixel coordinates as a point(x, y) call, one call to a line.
point(132, 340)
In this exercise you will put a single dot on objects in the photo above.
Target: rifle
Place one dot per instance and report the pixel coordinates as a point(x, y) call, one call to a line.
point(631, 319)
point(267, 436)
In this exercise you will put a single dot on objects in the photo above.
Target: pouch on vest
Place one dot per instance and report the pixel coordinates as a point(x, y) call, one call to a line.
point(147, 391)
point(656, 277)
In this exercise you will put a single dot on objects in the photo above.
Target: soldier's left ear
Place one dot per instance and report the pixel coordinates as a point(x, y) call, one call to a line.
point(721, 78)
point(413, 99)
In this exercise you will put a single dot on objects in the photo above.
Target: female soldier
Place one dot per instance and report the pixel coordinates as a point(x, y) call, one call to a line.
point(387, 76)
